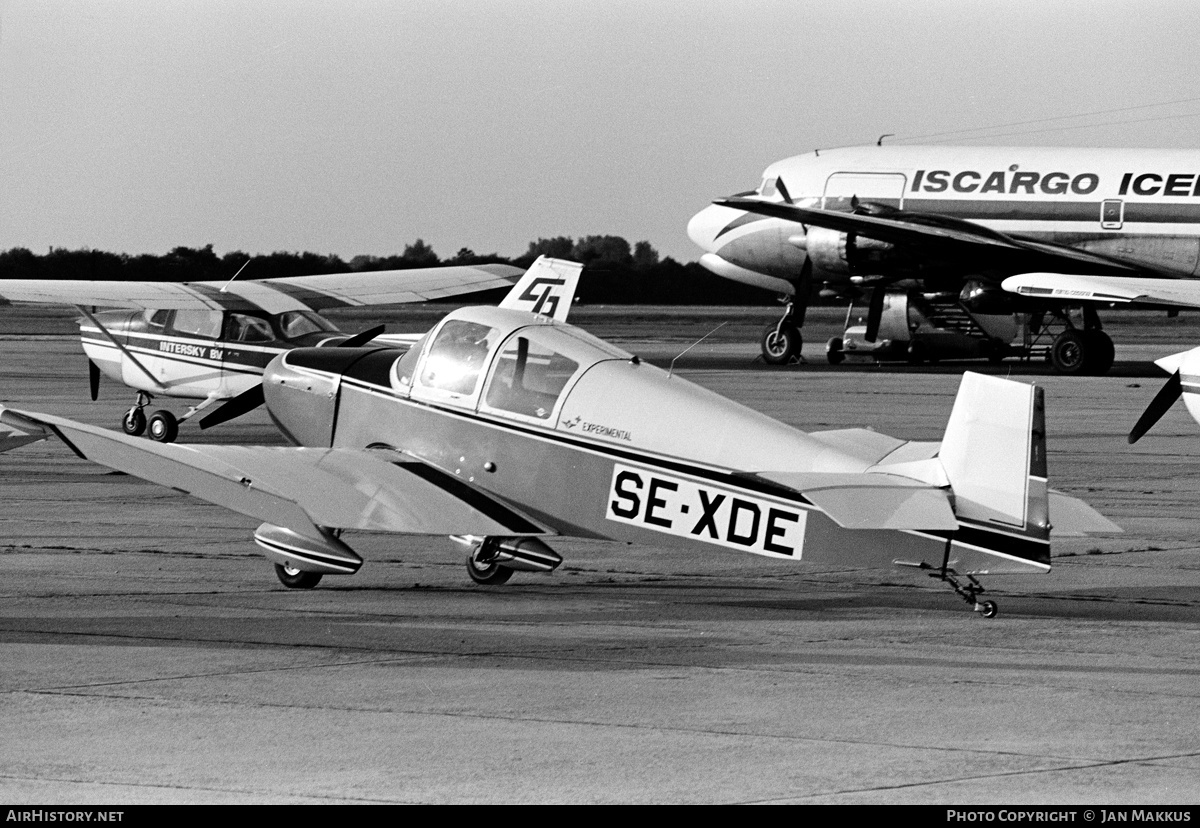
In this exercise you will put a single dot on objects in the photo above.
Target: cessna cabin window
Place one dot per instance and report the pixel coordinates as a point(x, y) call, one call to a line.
point(205, 324)
point(246, 328)
point(295, 324)
point(529, 374)
point(456, 357)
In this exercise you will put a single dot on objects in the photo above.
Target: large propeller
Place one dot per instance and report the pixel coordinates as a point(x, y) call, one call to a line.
point(1162, 402)
point(252, 398)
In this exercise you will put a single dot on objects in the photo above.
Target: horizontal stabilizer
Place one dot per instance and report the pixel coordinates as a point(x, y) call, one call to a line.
point(872, 501)
point(1070, 517)
point(303, 488)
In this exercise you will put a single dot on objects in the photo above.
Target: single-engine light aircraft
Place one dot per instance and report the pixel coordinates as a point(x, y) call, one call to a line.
point(209, 341)
point(504, 429)
point(939, 228)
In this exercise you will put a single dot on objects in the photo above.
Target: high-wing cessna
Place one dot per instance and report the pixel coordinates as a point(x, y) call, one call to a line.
point(210, 341)
point(943, 226)
point(503, 429)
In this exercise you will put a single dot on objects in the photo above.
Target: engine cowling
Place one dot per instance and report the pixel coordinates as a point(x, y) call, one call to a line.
point(849, 254)
point(990, 299)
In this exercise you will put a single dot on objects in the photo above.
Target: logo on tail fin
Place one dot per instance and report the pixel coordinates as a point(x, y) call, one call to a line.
point(545, 302)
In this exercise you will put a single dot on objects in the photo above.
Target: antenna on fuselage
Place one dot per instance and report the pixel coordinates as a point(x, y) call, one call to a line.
point(693, 345)
point(234, 276)
point(879, 143)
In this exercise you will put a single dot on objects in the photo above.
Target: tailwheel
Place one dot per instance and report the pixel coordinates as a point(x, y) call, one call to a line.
point(969, 590)
point(163, 427)
point(134, 421)
point(294, 578)
point(483, 567)
point(781, 343)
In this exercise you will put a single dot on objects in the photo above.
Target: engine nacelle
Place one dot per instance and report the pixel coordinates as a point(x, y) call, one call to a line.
point(849, 254)
point(989, 298)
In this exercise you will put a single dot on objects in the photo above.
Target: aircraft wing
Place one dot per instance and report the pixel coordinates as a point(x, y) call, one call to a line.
point(296, 488)
point(321, 292)
point(1076, 288)
point(953, 237)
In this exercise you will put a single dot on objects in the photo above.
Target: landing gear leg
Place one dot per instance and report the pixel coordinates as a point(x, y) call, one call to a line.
point(781, 342)
point(134, 421)
point(969, 589)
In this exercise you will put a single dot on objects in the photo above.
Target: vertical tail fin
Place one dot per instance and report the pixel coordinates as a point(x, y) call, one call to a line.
point(547, 288)
point(994, 454)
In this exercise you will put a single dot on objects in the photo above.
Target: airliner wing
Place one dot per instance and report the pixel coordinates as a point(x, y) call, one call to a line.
point(296, 488)
point(321, 292)
point(1075, 288)
point(949, 236)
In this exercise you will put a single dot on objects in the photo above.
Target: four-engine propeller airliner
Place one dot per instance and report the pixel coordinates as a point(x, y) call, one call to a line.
point(952, 223)
point(209, 341)
point(504, 429)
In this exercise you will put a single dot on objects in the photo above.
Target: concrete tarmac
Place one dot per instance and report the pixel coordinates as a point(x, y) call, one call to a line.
point(148, 654)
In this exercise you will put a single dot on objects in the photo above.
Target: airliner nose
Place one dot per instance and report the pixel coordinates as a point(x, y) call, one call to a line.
point(706, 225)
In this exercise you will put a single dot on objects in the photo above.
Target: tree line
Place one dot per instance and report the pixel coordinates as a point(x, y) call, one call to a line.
point(617, 272)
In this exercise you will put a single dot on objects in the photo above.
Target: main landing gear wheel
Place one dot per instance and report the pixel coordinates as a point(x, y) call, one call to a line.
point(835, 351)
point(987, 609)
point(294, 578)
point(487, 574)
point(781, 344)
point(163, 427)
point(1077, 353)
point(134, 421)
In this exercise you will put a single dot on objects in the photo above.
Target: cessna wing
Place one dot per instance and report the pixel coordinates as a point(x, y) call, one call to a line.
point(1094, 288)
point(320, 292)
point(298, 489)
point(932, 232)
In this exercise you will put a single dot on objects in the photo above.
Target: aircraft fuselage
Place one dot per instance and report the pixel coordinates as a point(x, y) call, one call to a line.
point(1136, 205)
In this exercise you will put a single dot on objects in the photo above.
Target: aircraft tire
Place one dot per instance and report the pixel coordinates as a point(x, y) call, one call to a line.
point(835, 351)
point(1101, 351)
point(134, 422)
point(294, 578)
point(781, 344)
point(1070, 353)
point(988, 609)
point(492, 574)
point(163, 427)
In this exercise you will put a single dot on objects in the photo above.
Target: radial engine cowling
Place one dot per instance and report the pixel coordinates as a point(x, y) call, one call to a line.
point(847, 254)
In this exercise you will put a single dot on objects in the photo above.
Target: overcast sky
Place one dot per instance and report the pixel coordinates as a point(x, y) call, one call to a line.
point(357, 126)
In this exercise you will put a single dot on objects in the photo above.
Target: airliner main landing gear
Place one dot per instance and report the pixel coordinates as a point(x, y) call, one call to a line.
point(1077, 350)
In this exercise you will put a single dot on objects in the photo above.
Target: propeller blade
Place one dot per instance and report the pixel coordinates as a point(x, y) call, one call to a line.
point(874, 313)
point(94, 379)
point(1162, 402)
point(360, 339)
point(243, 403)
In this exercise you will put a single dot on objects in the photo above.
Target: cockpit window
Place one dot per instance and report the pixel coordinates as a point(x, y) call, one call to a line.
point(157, 318)
point(528, 376)
point(295, 324)
point(767, 190)
point(246, 328)
point(456, 356)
